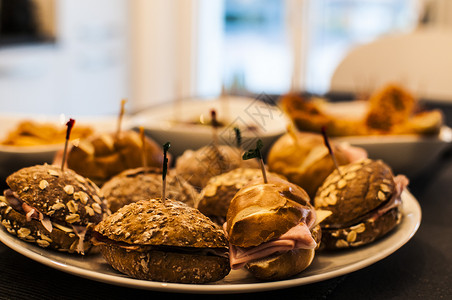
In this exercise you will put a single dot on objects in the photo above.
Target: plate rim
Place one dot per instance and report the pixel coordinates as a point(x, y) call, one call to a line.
point(411, 208)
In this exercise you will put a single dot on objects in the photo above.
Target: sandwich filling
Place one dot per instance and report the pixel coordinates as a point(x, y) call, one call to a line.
point(32, 213)
point(298, 237)
point(99, 239)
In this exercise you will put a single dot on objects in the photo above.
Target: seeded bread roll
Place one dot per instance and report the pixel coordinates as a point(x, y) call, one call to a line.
point(103, 156)
point(53, 208)
point(304, 159)
point(364, 201)
point(215, 197)
point(138, 184)
point(198, 166)
point(163, 241)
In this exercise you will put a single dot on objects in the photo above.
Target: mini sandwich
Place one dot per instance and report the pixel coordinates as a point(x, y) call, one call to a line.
point(364, 203)
point(198, 166)
point(163, 241)
point(144, 183)
point(216, 196)
point(53, 208)
point(272, 230)
point(102, 156)
point(304, 159)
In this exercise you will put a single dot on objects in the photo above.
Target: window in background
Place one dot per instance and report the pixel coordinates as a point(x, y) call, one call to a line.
point(257, 50)
point(256, 53)
point(336, 26)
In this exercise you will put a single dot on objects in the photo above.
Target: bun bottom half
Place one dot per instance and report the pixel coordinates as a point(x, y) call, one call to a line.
point(157, 265)
point(278, 267)
point(284, 265)
point(362, 233)
point(34, 232)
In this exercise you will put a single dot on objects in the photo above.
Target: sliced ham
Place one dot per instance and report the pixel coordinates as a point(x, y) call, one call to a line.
point(298, 237)
point(33, 213)
point(353, 153)
point(401, 183)
point(80, 231)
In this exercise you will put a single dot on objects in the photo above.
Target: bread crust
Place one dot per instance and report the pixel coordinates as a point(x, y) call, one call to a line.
point(304, 160)
point(105, 155)
point(140, 238)
point(356, 198)
point(137, 184)
point(216, 196)
point(34, 232)
point(198, 166)
point(281, 266)
point(260, 212)
point(59, 194)
point(362, 233)
point(363, 186)
point(150, 222)
point(284, 265)
point(166, 266)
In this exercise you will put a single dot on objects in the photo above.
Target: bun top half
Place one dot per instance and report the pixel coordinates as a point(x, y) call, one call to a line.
point(304, 159)
point(154, 223)
point(137, 184)
point(198, 166)
point(59, 194)
point(102, 156)
point(260, 212)
point(360, 188)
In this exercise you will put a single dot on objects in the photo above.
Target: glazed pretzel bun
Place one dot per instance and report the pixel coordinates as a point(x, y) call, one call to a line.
point(100, 157)
point(264, 214)
point(304, 159)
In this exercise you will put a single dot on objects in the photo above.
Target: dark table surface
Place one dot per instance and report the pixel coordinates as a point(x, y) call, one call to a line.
point(420, 269)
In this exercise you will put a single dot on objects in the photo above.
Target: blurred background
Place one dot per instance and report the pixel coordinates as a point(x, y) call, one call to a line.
point(83, 57)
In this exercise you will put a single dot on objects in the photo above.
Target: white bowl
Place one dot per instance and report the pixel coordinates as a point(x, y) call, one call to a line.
point(177, 122)
point(407, 154)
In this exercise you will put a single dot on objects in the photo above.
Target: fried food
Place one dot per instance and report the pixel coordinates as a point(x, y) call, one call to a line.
point(390, 110)
point(32, 133)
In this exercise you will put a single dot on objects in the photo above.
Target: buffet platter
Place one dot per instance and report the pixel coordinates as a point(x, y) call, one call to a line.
point(326, 265)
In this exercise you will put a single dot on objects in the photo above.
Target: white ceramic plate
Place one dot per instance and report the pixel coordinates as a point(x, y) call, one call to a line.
point(325, 266)
point(406, 154)
point(173, 122)
point(13, 158)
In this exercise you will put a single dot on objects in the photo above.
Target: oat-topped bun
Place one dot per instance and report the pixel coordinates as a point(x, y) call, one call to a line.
point(198, 166)
point(140, 183)
point(364, 201)
point(103, 156)
point(304, 159)
point(51, 207)
point(215, 197)
point(168, 242)
point(272, 229)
